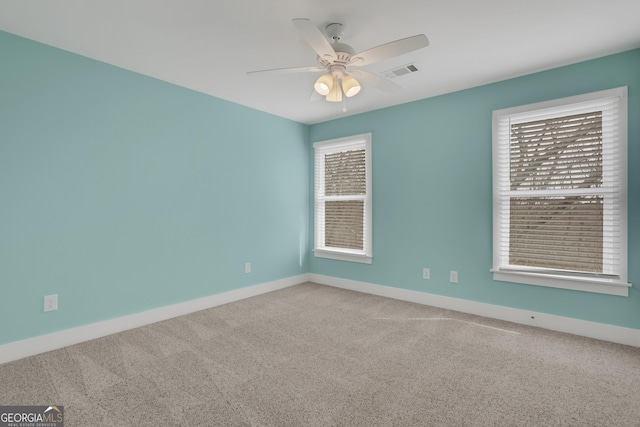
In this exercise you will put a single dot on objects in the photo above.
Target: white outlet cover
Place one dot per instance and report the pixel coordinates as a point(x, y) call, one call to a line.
point(453, 276)
point(247, 267)
point(426, 273)
point(51, 302)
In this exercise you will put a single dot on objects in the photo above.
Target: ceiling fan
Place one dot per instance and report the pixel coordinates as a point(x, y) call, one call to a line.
point(337, 60)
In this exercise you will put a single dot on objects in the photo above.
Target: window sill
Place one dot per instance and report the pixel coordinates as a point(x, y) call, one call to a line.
point(585, 284)
point(342, 256)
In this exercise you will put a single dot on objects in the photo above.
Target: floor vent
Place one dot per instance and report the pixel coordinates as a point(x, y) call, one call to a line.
point(401, 71)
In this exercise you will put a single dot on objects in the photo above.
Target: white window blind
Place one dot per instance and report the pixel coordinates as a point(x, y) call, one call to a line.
point(560, 193)
point(342, 212)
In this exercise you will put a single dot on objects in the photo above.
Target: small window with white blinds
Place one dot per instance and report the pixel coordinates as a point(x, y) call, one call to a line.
point(342, 211)
point(560, 193)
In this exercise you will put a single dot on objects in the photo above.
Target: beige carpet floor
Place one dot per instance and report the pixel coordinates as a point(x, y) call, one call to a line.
point(312, 355)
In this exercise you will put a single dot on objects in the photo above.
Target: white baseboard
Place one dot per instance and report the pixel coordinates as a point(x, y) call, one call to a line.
point(601, 331)
point(41, 344)
point(53, 341)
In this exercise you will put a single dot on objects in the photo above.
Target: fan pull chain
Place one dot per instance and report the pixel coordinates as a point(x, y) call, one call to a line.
point(344, 98)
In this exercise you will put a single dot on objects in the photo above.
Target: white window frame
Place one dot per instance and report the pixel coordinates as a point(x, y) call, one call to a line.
point(320, 150)
point(612, 284)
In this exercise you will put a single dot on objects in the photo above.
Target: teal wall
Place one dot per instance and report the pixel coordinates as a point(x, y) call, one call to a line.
point(432, 192)
point(122, 193)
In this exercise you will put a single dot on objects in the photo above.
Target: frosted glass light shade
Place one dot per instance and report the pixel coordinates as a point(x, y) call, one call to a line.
point(350, 86)
point(335, 95)
point(324, 84)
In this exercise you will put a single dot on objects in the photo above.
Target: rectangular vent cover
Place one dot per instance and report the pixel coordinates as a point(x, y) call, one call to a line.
point(401, 71)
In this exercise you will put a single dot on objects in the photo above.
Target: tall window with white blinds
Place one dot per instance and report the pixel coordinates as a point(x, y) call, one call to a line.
point(343, 199)
point(562, 157)
point(560, 193)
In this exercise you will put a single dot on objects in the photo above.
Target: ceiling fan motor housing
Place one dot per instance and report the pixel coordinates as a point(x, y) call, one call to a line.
point(344, 52)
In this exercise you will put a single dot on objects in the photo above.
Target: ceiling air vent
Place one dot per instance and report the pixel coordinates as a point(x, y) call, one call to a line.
point(401, 71)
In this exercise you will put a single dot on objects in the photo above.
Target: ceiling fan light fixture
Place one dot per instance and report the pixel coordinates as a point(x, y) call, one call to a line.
point(350, 86)
point(335, 95)
point(336, 60)
point(324, 84)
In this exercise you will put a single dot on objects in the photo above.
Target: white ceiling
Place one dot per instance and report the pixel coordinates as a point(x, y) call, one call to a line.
point(209, 45)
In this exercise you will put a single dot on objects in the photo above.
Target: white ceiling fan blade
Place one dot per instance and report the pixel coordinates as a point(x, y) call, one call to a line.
point(314, 37)
point(288, 70)
point(390, 50)
point(374, 80)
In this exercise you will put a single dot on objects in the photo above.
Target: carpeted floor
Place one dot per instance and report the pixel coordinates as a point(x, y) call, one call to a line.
point(312, 355)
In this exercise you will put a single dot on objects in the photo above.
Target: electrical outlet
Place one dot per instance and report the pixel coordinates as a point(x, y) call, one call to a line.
point(453, 276)
point(247, 267)
point(426, 273)
point(51, 302)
